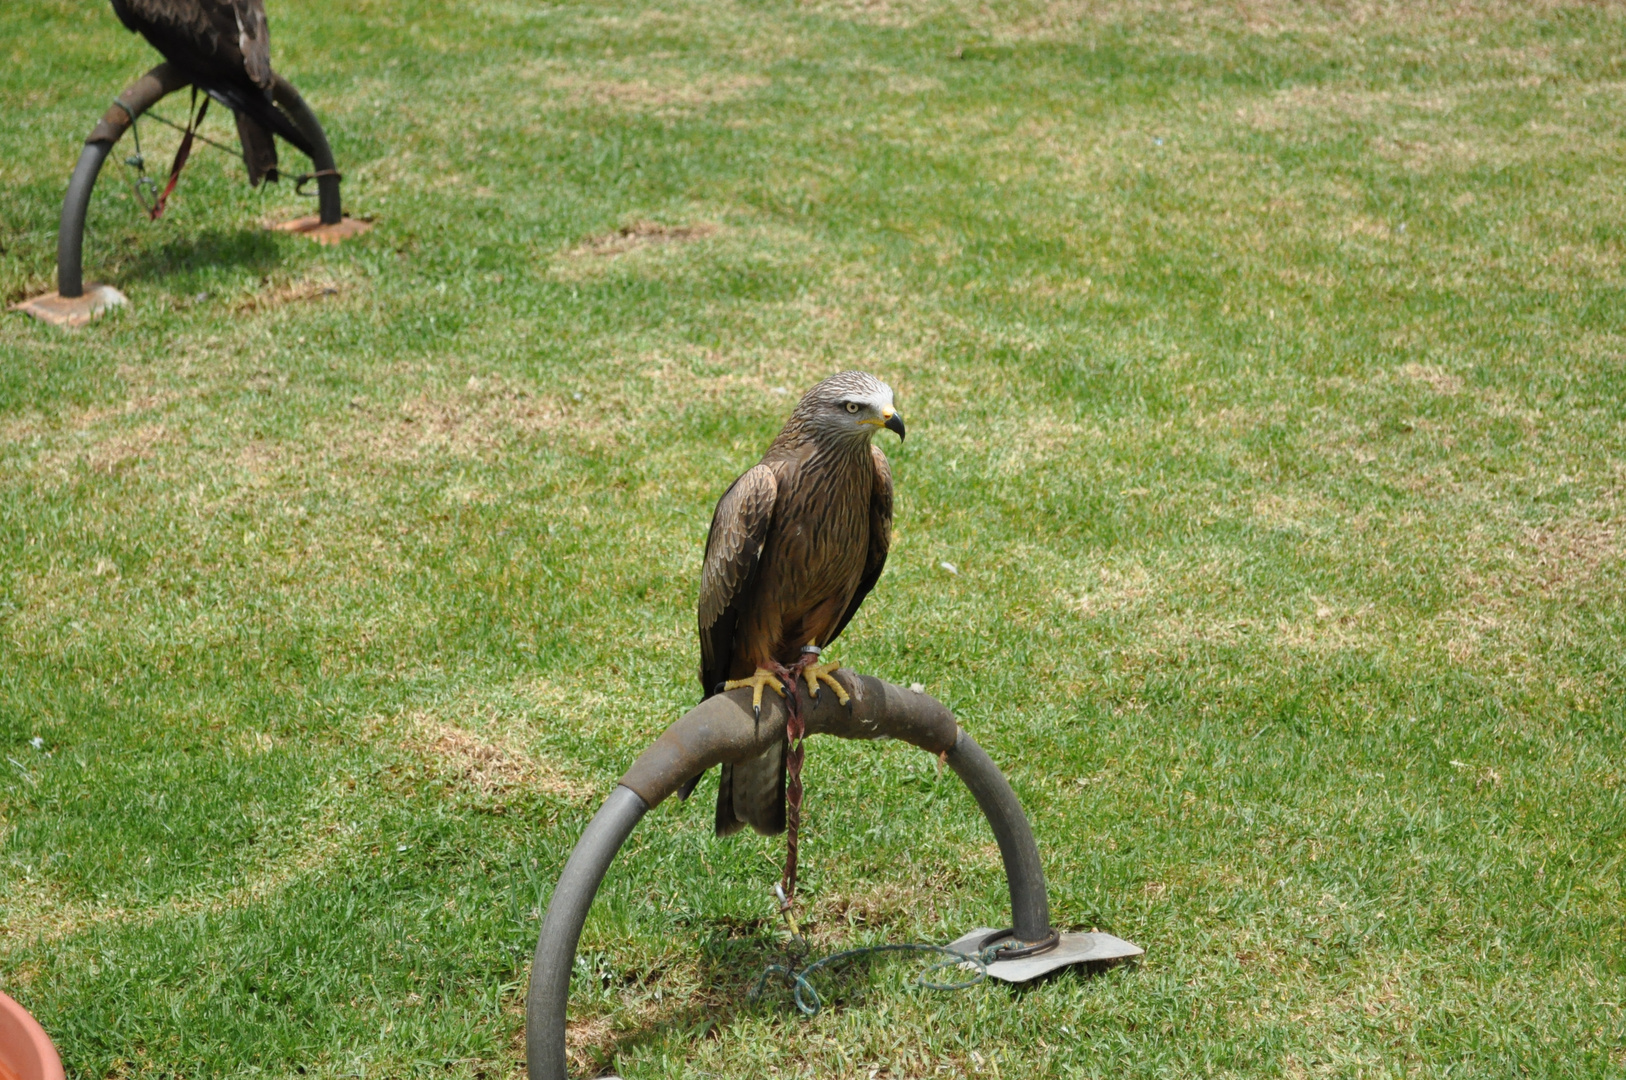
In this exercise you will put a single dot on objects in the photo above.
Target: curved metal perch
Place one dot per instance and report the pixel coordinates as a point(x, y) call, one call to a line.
point(723, 729)
point(327, 179)
point(70, 305)
point(139, 96)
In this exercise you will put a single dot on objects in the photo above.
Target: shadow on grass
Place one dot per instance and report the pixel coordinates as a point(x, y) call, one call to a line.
point(247, 249)
point(734, 955)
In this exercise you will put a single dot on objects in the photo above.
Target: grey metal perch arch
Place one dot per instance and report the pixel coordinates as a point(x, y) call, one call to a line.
point(722, 729)
point(138, 97)
point(69, 304)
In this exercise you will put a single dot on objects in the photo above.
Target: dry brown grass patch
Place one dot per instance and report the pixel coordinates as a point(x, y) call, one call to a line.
point(1436, 379)
point(1291, 510)
point(1569, 552)
point(1113, 589)
point(144, 397)
point(124, 447)
point(637, 235)
point(660, 997)
point(41, 910)
point(887, 903)
point(573, 703)
point(1184, 23)
point(113, 452)
point(589, 1044)
point(492, 766)
point(1312, 107)
point(290, 292)
point(483, 418)
point(678, 91)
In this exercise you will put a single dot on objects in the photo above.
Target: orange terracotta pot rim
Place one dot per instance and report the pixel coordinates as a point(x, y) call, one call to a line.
point(25, 1050)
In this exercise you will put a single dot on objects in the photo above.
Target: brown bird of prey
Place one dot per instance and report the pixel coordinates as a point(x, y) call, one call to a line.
point(223, 47)
point(796, 544)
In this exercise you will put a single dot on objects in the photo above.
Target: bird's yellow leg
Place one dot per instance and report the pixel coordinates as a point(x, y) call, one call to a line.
point(816, 673)
point(760, 678)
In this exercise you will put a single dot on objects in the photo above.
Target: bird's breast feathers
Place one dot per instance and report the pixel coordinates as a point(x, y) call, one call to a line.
point(819, 547)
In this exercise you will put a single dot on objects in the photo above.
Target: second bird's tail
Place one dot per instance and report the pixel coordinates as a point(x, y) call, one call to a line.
point(258, 108)
point(259, 150)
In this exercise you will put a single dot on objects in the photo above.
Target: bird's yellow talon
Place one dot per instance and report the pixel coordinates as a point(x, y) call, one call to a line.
point(817, 673)
point(762, 677)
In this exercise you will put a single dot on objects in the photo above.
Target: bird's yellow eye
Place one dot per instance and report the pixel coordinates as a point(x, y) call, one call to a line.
point(852, 406)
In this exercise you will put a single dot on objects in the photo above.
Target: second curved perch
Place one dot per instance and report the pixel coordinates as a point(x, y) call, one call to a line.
point(328, 225)
point(723, 729)
point(73, 304)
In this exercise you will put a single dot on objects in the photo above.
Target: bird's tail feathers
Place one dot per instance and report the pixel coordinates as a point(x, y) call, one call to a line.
point(259, 150)
point(259, 109)
point(753, 793)
point(273, 118)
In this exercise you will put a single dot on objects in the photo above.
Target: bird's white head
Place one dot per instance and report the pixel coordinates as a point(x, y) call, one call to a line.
point(849, 404)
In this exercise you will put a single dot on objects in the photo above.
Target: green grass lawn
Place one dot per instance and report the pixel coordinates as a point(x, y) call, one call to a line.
point(1263, 371)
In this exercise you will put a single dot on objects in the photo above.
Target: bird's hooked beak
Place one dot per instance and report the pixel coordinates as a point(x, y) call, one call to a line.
point(892, 421)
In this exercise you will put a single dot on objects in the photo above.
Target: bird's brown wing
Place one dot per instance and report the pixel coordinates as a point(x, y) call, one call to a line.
point(739, 528)
point(880, 538)
point(254, 39)
point(222, 47)
point(194, 18)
